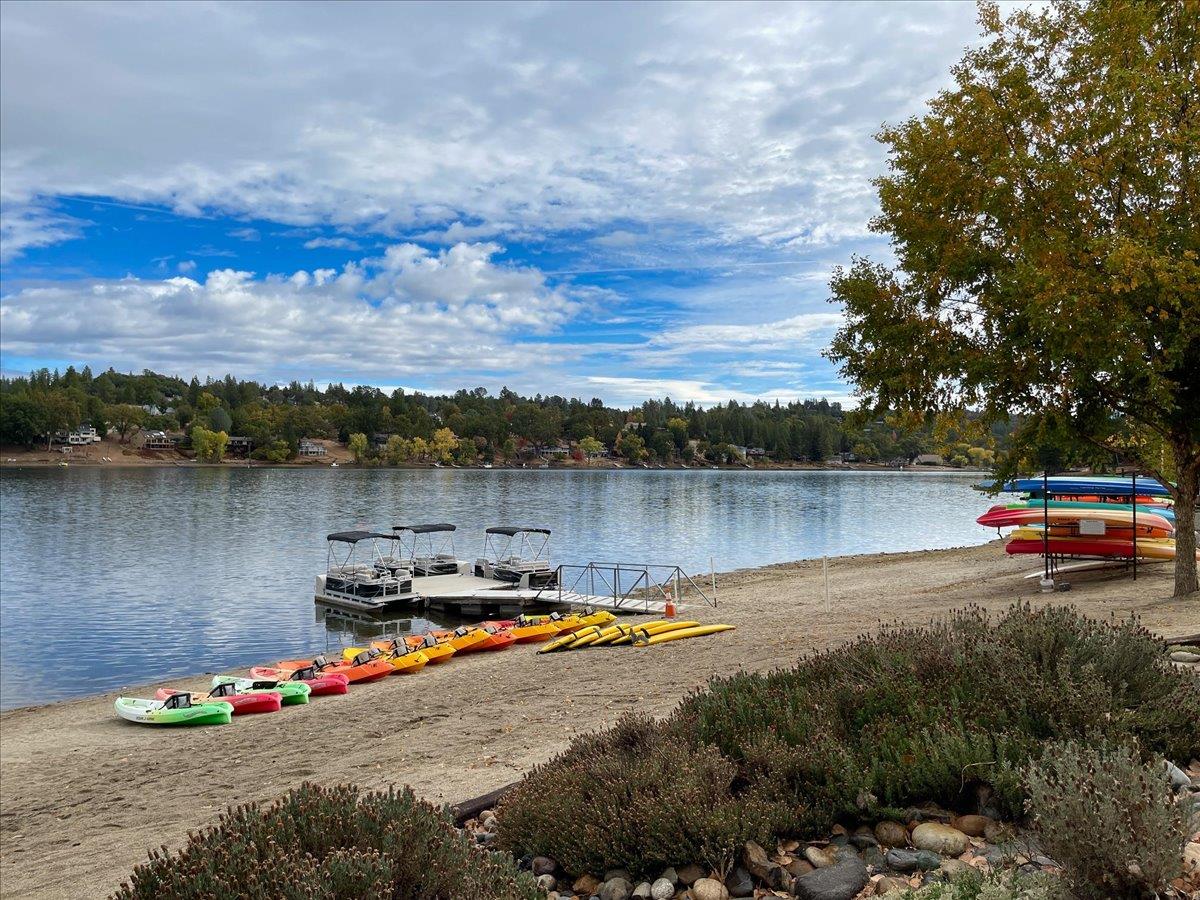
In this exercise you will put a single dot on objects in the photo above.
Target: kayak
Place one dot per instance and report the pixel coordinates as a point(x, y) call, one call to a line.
point(527, 633)
point(319, 683)
point(243, 703)
point(177, 709)
point(465, 639)
point(1148, 524)
point(404, 663)
point(1160, 509)
point(360, 670)
point(574, 621)
point(1030, 541)
point(498, 639)
point(679, 634)
point(648, 629)
point(1096, 485)
point(435, 651)
point(293, 693)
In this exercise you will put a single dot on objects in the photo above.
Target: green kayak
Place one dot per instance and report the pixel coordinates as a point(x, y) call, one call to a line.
point(178, 709)
point(292, 692)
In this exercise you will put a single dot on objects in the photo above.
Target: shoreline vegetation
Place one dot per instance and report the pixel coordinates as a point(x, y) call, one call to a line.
point(82, 795)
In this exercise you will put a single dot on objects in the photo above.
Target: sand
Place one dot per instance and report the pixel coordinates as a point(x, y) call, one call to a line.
point(84, 795)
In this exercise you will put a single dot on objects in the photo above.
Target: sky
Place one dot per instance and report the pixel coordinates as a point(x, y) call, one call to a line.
point(598, 200)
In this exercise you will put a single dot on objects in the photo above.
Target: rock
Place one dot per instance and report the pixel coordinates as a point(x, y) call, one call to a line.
point(841, 881)
point(618, 888)
point(662, 889)
point(874, 858)
point(739, 883)
point(887, 885)
point(863, 840)
point(819, 858)
point(761, 866)
point(1185, 656)
point(940, 838)
point(617, 873)
point(1179, 778)
point(671, 875)
point(972, 826)
point(543, 865)
point(709, 889)
point(798, 867)
point(689, 875)
point(891, 834)
point(911, 860)
point(586, 885)
point(484, 837)
point(643, 891)
point(954, 868)
point(1191, 857)
point(547, 882)
point(999, 833)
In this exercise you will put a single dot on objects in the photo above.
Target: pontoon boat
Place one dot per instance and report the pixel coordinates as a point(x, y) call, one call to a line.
point(418, 548)
point(358, 583)
point(527, 563)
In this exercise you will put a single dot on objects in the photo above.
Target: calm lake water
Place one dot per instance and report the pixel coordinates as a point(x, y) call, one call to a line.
point(123, 576)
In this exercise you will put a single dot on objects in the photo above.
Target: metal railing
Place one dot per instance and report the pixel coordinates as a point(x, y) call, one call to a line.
point(629, 585)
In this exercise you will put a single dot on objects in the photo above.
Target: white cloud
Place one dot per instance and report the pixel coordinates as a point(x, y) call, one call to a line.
point(411, 312)
point(617, 389)
point(187, 266)
point(748, 123)
point(27, 225)
point(245, 234)
point(796, 331)
point(333, 243)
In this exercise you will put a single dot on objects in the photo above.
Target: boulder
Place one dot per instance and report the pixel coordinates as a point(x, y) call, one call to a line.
point(954, 868)
point(547, 883)
point(642, 891)
point(586, 885)
point(543, 865)
point(798, 867)
point(891, 834)
point(662, 889)
point(709, 889)
point(902, 860)
point(761, 866)
point(939, 838)
point(841, 881)
point(689, 875)
point(972, 826)
point(739, 883)
point(819, 858)
point(617, 873)
point(888, 885)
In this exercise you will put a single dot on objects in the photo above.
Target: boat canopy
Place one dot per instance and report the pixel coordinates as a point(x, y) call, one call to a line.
point(425, 529)
point(513, 530)
point(353, 537)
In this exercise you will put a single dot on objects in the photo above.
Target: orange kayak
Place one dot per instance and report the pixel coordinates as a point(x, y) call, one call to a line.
point(435, 651)
point(526, 633)
point(466, 639)
point(359, 670)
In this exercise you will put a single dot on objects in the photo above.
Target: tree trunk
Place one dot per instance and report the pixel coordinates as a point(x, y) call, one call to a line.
point(1185, 521)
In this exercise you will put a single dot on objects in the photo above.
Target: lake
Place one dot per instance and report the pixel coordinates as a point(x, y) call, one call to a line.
point(124, 576)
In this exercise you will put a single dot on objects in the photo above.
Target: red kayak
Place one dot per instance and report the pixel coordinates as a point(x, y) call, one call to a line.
point(320, 683)
point(250, 702)
point(360, 670)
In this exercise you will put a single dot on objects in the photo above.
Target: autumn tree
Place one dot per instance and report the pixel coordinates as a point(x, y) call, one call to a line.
point(358, 446)
point(1045, 220)
point(209, 445)
point(125, 418)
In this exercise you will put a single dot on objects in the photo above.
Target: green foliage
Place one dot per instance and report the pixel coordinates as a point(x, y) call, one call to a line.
point(332, 844)
point(209, 445)
point(997, 886)
point(1045, 222)
point(275, 452)
point(126, 418)
point(358, 446)
point(631, 446)
point(1109, 818)
point(905, 716)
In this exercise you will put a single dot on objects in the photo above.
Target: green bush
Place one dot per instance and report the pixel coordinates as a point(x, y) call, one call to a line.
point(908, 715)
point(329, 844)
point(1108, 818)
point(998, 886)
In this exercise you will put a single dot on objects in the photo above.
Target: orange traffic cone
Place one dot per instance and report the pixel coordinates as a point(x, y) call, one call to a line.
point(670, 610)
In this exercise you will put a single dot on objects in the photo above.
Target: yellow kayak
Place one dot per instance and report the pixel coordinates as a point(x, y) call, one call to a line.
point(649, 629)
point(680, 633)
point(616, 631)
point(568, 641)
point(435, 652)
point(573, 622)
point(403, 663)
point(463, 639)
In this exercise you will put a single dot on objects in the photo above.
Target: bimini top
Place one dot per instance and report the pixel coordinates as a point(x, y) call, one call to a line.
point(425, 529)
point(512, 530)
point(353, 537)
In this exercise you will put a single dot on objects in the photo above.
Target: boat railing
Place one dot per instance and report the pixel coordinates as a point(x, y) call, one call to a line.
point(630, 586)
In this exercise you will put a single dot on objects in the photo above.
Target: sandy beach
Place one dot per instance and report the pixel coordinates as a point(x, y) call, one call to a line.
point(84, 795)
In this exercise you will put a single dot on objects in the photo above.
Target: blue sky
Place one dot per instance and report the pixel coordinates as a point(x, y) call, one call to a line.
point(610, 200)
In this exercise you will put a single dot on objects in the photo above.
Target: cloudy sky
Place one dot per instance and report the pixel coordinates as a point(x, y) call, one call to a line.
point(596, 200)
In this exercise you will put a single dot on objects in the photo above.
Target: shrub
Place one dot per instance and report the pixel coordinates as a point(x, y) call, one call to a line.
point(999, 886)
point(1108, 818)
point(635, 795)
point(907, 715)
point(330, 843)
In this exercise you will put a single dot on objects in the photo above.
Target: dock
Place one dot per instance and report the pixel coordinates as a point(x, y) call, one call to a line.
point(472, 595)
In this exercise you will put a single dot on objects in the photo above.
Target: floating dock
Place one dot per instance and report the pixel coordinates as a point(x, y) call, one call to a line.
point(472, 595)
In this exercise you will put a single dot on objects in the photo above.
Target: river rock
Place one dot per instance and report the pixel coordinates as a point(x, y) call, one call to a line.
point(972, 826)
point(999, 833)
point(798, 867)
point(901, 860)
point(643, 891)
point(618, 888)
point(819, 858)
point(891, 834)
point(689, 875)
point(543, 865)
point(841, 881)
point(586, 885)
point(889, 885)
point(739, 883)
point(939, 838)
point(1179, 778)
point(954, 868)
point(874, 858)
point(547, 882)
point(662, 889)
point(709, 889)
point(1185, 656)
point(617, 873)
point(761, 866)
point(863, 838)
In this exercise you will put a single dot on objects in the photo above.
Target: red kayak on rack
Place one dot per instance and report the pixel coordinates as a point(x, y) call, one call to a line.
point(320, 683)
point(242, 703)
